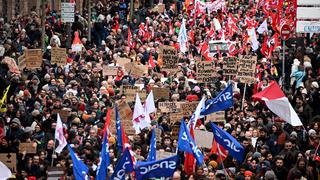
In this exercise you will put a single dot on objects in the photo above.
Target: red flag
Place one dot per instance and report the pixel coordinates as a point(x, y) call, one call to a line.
point(191, 35)
point(205, 51)
point(274, 42)
point(141, 30)
point(203, 19)
point(212, 32)
point(151, 62)
point(107, 123)
point(214, 150)
point(264, 48)
point(129, 37)
point(232, 26)
point(171, 29)
point(189, 162)
point(231, 49)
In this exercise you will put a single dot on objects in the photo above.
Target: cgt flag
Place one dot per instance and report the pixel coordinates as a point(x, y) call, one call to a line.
point(124, 166)
point(155, 169)
point(228, 142)
point(223, 101)
point(187, 144)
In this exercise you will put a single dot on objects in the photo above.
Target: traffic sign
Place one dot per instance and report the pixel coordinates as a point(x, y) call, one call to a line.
point(285, 31)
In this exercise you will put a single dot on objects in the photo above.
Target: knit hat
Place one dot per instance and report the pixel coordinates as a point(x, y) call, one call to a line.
point(16, 120)
point(247, 173)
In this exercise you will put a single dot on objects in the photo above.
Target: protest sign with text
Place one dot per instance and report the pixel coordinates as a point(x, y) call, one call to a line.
point(206, 72)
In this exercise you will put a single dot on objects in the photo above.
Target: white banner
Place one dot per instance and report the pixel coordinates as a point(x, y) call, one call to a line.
point(308, 27)
point(210, 6)
point(308, 12)
point(308, 2)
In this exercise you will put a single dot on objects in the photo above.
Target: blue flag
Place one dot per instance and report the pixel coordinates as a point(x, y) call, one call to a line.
point(155, 169)
point(123, 166)
point(152, 152)
point(80, 170)
point(187, 144)
point(104, 159)
point(228, 142)
point(223, 101)
point(119, 130)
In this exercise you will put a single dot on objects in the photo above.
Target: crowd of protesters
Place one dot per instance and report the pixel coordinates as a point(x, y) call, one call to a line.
point(273, 148)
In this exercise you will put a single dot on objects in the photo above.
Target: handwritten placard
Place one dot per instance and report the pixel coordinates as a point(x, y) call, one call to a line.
point(58, 56)
point(135, 70)
point(188, 108)
point(247, 67)
point(216, 117)
point(230, 66)
point(131, 91)
point(110, 70)
point(203, 138)
point(169, 58)
point(174, 117)
point(161, 93)
point(10, 160)
point(206, 72)
point(30, 148)
point(167, 107)
point(33, 58)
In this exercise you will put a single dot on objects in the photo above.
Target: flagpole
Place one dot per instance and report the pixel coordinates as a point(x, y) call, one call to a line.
point(244, 95)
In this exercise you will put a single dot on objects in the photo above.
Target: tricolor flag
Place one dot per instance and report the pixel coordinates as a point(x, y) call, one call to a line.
point(58, 135)
point(279, 104)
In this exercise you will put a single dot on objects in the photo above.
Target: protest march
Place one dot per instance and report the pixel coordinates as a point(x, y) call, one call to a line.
point(159, 89)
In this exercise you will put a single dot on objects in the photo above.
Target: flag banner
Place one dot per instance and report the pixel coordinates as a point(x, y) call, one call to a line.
point(223, 101)
point(279, 104)
point(80, 169)
point(124, 166)
point(119, 130)
point(58, 135)
point(152, 152)
point(228, 142)
point(156, 169)
point(104, 159)
point(187, 144)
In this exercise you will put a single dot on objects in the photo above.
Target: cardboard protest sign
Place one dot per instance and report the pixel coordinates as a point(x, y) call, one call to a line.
point(64, 114)
point(163, 154)
point(131, 91)
point(123, 61)
point(169, 56)
point(58, 56)
point(160, 93)
point(125, 114)
point(175, 117)
point(216, 117)
point(110, 70)
point(188, 108)
point(203, 138)
point(33, 58)
point(135, 70)
point(159, 8)
point(22, 62)
point(30, 148)
point(10, 160)
point(247, 67)
point(167, 107)
point(230, 66)
point(206, 72)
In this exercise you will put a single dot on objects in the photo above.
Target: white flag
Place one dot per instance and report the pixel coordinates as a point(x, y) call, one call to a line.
point(263, 27)
point(253, 38)
point(196, 115)
point(138, 118)
point(149, 107)
point(59, 135)
point(5, 172)
point(182, 38)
